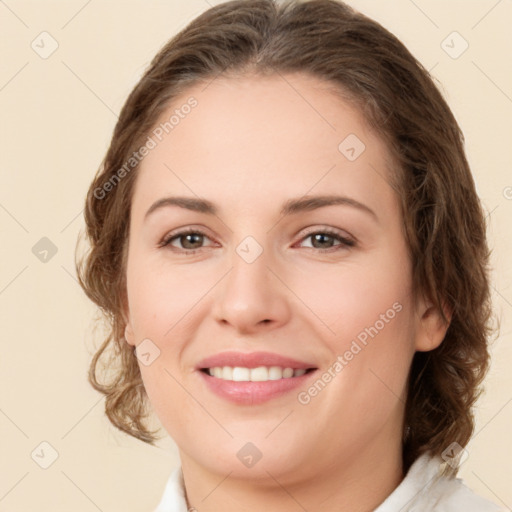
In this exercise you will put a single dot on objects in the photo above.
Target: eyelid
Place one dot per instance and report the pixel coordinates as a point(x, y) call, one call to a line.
point(179, 232)
point(346, 240)
point(327, 230)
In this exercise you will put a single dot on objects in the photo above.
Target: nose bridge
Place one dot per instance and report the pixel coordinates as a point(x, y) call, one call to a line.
point(251, 295)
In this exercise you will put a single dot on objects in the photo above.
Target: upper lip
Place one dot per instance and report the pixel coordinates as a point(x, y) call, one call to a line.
point(252, 360)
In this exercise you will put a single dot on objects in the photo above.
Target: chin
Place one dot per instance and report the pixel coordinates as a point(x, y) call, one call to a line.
point(252, 456)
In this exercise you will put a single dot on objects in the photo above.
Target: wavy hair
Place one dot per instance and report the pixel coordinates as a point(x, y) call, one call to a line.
point(443, 220)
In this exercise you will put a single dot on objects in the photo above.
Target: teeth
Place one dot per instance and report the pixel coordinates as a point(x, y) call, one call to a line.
point(288, 372)
point(227, 373)
point(240, 374)
point(259, 374)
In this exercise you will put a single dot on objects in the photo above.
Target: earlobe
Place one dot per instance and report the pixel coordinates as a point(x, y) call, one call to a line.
point(129, 335)
point(128, 330)
point(432, 327)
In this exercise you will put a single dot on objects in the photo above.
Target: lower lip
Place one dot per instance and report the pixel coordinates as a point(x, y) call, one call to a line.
point(253, 393)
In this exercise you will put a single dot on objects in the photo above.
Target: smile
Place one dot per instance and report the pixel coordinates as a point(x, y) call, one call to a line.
point(259, 374)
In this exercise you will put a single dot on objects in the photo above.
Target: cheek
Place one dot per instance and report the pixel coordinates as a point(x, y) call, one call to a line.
point(171, 404)
point(161, 296)
point(370, 388)
point(349, 298)
point(367, 310)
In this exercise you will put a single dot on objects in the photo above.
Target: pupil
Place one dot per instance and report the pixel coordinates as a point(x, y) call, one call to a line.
point(319, 236)
point(192, 236)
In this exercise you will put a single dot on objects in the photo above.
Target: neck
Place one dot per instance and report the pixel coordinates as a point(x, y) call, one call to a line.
point(359, 483)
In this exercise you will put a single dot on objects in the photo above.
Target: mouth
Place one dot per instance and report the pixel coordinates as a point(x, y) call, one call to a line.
point(258, 374)
point(253, 378)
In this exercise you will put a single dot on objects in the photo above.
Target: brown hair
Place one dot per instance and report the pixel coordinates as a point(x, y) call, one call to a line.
point(444, 222)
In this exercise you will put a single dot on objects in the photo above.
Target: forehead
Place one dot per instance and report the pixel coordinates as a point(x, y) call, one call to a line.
point(279, 135)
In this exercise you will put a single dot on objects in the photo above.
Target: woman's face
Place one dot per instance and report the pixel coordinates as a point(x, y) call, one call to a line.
point(278, 276)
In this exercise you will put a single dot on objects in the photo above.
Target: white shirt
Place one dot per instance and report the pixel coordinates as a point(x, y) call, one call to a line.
point(423, 489)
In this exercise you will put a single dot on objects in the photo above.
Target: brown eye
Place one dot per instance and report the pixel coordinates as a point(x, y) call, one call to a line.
point(189, 241)
point(325, 240)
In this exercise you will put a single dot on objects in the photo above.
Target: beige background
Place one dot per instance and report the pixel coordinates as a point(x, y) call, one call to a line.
point(57, 118)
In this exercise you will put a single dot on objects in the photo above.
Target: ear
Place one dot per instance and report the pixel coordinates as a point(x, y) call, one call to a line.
point(129, 335)
point(431, 327)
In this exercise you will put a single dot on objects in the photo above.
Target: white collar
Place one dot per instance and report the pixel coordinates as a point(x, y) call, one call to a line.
point(423, 489)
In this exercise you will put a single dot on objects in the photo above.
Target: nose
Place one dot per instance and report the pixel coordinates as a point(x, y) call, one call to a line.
point(252, 297)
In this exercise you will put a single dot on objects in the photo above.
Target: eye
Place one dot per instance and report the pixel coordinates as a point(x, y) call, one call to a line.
point(323, 240)
point(190, 240)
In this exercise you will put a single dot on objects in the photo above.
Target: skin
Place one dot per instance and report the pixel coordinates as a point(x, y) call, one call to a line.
point(251, 144)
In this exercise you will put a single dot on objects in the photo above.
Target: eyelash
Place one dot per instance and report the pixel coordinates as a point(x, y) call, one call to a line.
point(344, 242)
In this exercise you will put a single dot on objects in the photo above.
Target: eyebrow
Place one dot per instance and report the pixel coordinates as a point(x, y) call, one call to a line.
point(290, 207)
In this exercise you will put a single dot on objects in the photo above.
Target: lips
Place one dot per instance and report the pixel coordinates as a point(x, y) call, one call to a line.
point(249, 392)
point(252, 360)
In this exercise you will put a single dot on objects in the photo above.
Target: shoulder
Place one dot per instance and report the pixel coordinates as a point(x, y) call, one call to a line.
point(447, 494)
point(426, 489)
point(173, 498)
point(452, 495)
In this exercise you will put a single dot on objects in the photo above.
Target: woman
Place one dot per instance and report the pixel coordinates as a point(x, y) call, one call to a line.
point(287, 241)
